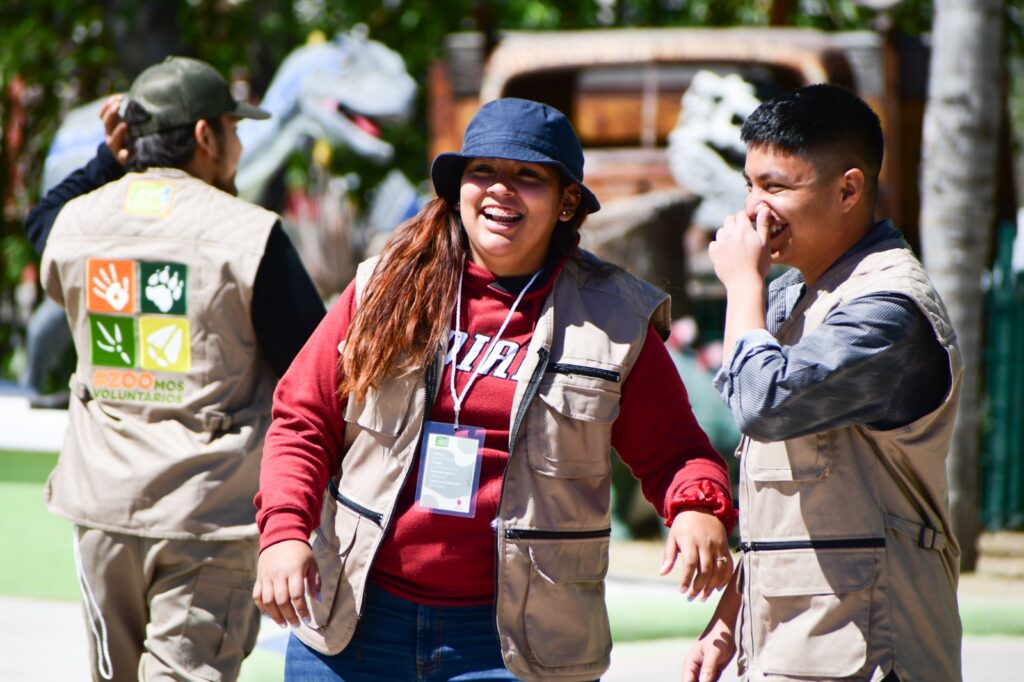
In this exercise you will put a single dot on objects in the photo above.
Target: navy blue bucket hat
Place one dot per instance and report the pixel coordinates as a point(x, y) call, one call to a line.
point(520, 130)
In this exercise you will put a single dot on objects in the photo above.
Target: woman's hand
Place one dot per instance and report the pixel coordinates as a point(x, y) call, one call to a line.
point(282, 575)
point(700, 539)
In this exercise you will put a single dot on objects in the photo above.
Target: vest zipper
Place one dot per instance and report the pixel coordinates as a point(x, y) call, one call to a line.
point(528, 534)
point(837, 543)
point(430, 385)
point(584, 371)
point(528, 396)
point(531, 392)
point(365, 512)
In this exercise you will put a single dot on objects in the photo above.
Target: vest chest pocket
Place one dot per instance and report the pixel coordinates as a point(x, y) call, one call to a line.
point(331, 544)
point(812, 618)
point(569, 430)
point(565, 617)
point(807, 458)
point(384, 412)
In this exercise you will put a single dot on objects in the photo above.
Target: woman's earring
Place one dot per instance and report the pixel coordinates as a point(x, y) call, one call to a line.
point(567, 212)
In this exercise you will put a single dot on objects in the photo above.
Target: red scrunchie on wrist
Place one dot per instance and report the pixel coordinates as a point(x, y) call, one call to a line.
point(707, 496)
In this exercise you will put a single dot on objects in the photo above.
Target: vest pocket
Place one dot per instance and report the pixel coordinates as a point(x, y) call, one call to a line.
point(807, 458)
point(331, 544)
point(569, 430)
point(385, 411)
point(815, 613)
point(565, 617)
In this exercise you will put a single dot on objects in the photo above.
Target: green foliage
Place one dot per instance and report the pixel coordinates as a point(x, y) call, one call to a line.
point(67, 52)
point(51, 52)
point(60, 52)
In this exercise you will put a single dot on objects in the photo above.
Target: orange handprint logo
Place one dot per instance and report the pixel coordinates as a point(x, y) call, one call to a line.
point(110, 285)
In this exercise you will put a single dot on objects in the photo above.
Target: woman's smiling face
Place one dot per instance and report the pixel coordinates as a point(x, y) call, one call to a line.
point(509, 210)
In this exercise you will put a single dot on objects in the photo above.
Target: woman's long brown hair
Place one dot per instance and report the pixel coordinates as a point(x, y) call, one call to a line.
point(406, 306)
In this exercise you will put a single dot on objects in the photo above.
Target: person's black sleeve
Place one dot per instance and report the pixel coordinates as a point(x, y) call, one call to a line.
point(103, 168)
point(286, 307)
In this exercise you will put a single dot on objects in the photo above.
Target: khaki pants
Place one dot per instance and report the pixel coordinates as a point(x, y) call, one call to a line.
point(166, 609)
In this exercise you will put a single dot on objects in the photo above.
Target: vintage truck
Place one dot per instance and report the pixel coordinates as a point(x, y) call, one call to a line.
point(625, 91)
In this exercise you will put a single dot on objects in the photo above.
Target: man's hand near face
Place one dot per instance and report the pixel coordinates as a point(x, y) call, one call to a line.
point(741, 258)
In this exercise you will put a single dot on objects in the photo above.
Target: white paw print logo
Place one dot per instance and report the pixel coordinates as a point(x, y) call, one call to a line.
point(163, 288)
point(108, 287)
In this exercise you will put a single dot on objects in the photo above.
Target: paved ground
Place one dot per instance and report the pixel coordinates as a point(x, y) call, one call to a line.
point(46, 642)
point(25, 429)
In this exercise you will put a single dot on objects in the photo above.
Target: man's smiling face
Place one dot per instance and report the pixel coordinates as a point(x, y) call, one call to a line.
point(804, 208)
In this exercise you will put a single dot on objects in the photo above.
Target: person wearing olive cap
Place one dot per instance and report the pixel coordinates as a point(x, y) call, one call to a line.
point(434, 495)
point(185, 304)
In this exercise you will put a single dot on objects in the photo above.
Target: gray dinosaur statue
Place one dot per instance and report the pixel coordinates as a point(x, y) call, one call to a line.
point(338, 90)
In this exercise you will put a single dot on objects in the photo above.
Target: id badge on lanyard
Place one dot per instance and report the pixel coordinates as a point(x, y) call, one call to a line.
point(450, 459)
point(450, 455)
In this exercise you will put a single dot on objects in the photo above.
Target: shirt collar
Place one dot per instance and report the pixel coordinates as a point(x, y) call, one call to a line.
point(791, 285)
point(883, 230)
point(477, 276)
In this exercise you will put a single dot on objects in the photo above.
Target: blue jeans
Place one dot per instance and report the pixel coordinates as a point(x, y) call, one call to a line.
point(401, 640)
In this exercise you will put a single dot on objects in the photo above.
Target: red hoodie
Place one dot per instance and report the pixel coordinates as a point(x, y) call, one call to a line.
point(447, 560)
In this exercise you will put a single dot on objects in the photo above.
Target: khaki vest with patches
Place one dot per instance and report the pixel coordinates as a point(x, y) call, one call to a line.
point(171, 395)
point(554, 522)
point(877, 590)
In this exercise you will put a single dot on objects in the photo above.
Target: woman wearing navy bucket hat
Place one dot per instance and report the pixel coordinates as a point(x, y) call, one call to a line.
point(434, 494)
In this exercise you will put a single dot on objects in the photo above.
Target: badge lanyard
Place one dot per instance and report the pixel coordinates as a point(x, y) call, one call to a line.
point(456, 398)
point(450, 455)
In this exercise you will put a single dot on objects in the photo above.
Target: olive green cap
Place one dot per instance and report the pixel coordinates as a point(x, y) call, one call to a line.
point(179, 91)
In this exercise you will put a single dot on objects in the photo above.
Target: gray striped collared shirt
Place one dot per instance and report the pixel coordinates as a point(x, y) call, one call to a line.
point(873, 361)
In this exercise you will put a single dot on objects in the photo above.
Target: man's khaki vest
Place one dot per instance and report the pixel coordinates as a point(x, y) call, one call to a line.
point(171, 396)
point(850, 565)
point(553, 524)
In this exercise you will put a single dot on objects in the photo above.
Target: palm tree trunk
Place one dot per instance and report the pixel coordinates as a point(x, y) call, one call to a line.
point(958, 182)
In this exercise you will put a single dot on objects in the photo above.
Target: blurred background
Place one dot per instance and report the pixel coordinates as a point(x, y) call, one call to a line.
point(365, 93)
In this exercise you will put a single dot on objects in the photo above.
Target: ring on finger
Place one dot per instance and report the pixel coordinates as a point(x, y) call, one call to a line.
point(721, 559)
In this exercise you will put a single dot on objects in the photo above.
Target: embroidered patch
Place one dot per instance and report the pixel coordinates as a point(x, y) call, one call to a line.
point(110, 285)
point(146, 197)
point(112, 341)
point(164, 288)
point(166, 344)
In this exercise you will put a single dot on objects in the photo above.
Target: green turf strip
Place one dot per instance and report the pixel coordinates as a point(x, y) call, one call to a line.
point(992, 617)
point(36, 546)
point(658, 617)
point(262, 666)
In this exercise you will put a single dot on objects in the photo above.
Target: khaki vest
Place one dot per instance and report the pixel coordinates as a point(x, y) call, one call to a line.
point(553, 524)
point(877, 588)
point(171, 396)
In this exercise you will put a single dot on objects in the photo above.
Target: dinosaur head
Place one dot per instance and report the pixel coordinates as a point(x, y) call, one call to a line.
point(341, 90)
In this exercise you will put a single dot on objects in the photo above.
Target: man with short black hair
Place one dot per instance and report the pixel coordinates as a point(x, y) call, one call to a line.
point(846, 392)
point(185, 304)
